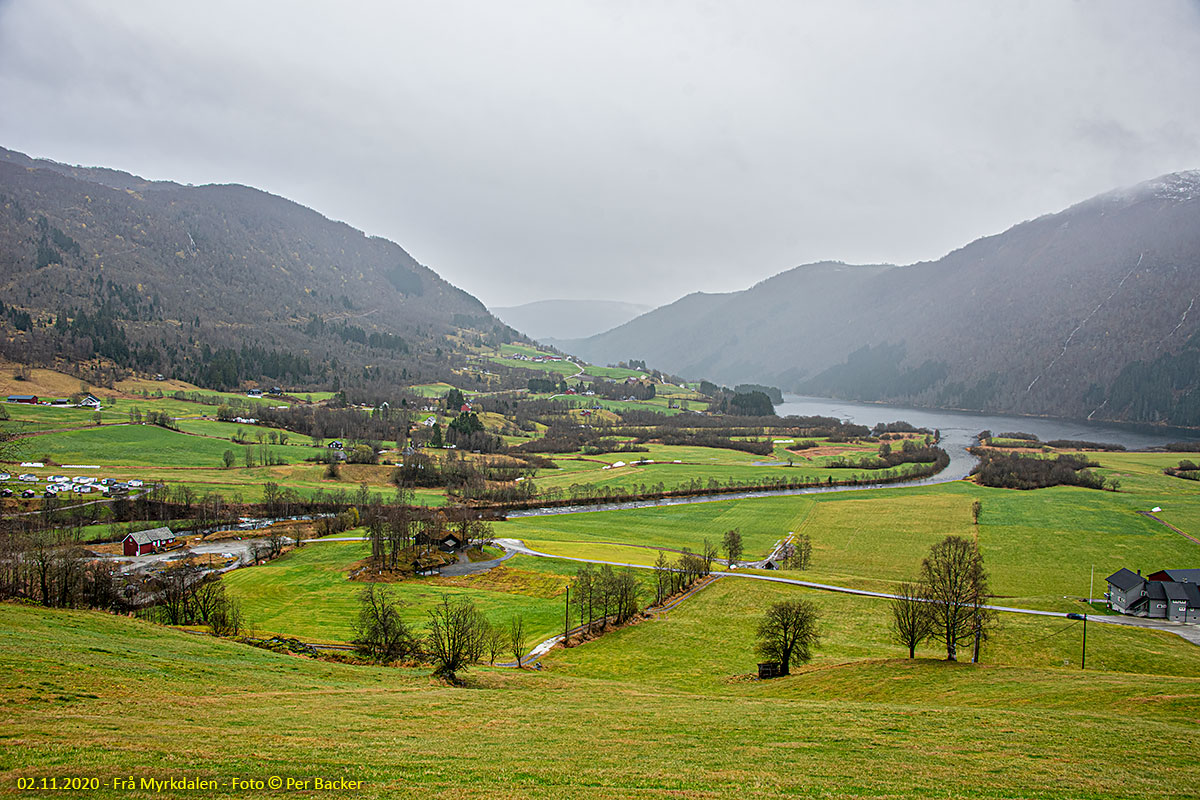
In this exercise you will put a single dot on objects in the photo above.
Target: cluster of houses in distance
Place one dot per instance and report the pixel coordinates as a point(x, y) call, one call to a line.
point(538, 359)
point(87, 401)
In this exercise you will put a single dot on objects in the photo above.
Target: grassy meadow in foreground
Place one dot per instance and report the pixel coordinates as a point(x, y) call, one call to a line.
point(87, 694)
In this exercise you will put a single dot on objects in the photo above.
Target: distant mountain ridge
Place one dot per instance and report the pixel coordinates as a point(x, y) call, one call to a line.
point(553, 320)
point(1089, 312)
point(217, 284)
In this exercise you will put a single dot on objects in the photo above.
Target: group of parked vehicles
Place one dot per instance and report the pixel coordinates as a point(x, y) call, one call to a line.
point(63, 484)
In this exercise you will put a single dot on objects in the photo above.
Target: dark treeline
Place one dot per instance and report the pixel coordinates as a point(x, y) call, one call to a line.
point(741, 425)
point(1061, 444)
point(108, 344)
point(317, 327)
point(1181, 447)
point(564, 436)
point(324, 423)
point(772, 392)
point(1187, 469)
point(638, 390)
point(47, 567)
point(899, 426)
point(910, 452)
point(1012, 471)
point(761, 447)
point(466, 432)
point(462, 477)
point(1079, 444)
point(586, 494)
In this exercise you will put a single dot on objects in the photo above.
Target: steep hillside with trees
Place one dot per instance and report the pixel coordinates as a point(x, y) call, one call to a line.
point(1088, 312)
point(218, 285)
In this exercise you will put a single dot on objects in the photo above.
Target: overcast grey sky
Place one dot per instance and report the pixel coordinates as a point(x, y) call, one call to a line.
point(620, 150)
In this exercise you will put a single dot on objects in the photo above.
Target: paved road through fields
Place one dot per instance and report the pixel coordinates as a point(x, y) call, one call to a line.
point(1187, 631)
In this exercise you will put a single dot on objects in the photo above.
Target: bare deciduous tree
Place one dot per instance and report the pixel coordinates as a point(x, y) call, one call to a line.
point(497, 641)
point(380, 632)
point(788, 632)
point(585, 597)
point(911, 621)
point(733, 546)
point(662, 578)
point(517, 638)
point(455, 637)
point(709, 555)
point(955, 584)
point(800, 552)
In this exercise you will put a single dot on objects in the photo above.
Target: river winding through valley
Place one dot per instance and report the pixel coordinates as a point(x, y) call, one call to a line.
point(958, 430)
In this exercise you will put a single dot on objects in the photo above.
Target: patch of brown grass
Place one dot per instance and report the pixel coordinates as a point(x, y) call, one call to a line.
point(509, 580)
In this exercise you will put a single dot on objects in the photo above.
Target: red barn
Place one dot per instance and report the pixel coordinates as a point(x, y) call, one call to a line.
point(141, 542)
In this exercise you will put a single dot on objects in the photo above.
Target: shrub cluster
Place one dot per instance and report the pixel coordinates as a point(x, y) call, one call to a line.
point(1011, 471)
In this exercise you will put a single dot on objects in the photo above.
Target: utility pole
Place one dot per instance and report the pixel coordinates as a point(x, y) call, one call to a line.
point(567, 618)
point(1083, 655)
point(1091, 584)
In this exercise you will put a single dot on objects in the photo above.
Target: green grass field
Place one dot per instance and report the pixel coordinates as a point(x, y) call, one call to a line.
point(1040, 547)
point(853, 629)
point(145, 445)
point(307, 593)
point(430, 390)
point(659, 465)
point(91, 695)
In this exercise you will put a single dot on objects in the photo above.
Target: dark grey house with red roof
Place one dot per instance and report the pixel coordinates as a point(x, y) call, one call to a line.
point(1171, 594)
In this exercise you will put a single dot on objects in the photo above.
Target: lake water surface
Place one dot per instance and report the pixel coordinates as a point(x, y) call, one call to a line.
point(959, 428)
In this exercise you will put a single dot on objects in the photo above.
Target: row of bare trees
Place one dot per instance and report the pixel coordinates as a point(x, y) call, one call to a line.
point(673, 577)
point(47, 567)
point(186, 595)
point(456, 633)
point(603, 594)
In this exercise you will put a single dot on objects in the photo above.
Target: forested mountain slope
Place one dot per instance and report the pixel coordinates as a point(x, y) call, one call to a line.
point(215, 284)
point(1090, 311)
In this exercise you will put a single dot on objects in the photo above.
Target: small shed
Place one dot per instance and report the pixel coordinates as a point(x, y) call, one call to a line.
point(769, 669)
point(427, 567)
point(139, 543)
point(450, 542)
